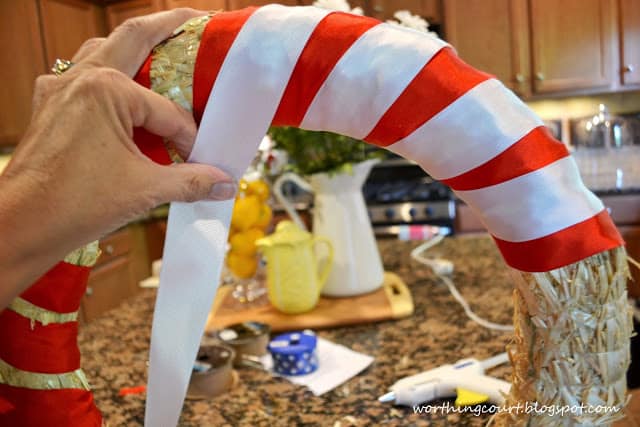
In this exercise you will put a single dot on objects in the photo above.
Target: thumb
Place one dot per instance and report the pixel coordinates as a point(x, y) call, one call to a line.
point(190, 182)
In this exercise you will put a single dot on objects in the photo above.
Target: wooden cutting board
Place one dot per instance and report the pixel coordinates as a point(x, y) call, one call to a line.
point(392, 301)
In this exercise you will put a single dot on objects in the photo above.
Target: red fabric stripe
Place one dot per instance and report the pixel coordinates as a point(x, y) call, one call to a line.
point(143, 77)
point(49, 349)
point(333, 36)
point(217, 38)
point(50, 408)
point(589, 237)
point(534, 151)
point(440, 82)
point(149, 144)
point(60, 289)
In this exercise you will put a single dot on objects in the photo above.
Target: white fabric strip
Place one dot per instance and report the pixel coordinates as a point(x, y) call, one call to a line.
point(240, 108)
point(368, 79)
point(472, 130)
point(548, 200)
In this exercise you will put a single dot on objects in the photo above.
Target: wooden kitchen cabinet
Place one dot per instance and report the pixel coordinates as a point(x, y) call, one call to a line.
point(33, 33)
point(66, 24)
point(117, 13)
point(365, 5)
point(384, 9)
point(108, 287)
point(630, 42)
point(239, 4)
point(22, 59)
point(493, 36)
point(572, 44)
point(122, 264)
point(196, 4)
point(538, 47)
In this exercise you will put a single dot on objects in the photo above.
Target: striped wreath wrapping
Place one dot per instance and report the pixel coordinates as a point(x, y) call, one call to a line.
point(409, 92)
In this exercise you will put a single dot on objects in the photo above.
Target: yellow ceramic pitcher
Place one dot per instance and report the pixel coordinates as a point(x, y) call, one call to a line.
point(293, 279)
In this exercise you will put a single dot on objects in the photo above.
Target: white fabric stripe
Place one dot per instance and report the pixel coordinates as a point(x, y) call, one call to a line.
point(547, 200)
point(240, 108)
point(470, 131)
point(368, 79)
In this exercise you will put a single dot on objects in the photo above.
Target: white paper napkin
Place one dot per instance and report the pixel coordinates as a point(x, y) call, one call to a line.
point(336, 364)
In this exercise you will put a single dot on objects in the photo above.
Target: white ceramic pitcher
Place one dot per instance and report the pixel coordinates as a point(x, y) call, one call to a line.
point(340, 214)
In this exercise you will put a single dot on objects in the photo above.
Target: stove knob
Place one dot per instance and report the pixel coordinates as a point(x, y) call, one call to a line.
point(428, 212)
point(389, 213)
point(413, 212)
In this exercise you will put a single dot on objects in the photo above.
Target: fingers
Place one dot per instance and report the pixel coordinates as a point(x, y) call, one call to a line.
point(189, 182)
point(87, 48)
point(129, 44)
point(162, 117)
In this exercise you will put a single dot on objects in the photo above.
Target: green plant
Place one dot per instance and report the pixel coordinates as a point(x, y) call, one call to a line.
point(314, 152)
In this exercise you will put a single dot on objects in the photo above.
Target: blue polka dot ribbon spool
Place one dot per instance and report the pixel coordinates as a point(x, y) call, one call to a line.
point(294, 353)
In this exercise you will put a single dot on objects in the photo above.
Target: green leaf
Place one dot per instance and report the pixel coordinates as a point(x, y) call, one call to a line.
point(314, 152)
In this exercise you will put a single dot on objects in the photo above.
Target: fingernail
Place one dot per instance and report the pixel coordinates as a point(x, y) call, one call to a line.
point(222, 190)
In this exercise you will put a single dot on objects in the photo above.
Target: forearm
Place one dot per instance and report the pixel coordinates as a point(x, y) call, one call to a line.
point(28, 244)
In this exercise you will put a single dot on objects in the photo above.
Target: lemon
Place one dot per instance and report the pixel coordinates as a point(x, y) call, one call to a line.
point(246, 212)
point(242, 266)
point(244, 243)
point(254, 234)
point(264, 217)
point(258, 188)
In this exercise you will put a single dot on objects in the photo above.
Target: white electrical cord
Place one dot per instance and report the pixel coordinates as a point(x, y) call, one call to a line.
point(443, 268)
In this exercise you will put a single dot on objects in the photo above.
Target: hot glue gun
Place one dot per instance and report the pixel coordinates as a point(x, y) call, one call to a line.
point(465, 379)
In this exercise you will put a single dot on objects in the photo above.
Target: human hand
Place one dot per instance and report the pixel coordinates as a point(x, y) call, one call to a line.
point(77, 173)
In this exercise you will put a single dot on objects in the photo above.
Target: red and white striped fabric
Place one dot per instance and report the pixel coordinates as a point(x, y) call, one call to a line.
point(393, 87)
point(406, 91)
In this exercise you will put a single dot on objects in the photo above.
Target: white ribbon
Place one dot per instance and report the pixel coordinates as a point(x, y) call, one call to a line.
point(240, 108)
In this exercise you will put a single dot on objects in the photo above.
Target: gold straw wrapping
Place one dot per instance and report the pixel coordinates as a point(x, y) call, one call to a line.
point(85, 256)
point(174, 61)
point(172, 68)
point(39, 314)
point(15, 377)
point(571, 345)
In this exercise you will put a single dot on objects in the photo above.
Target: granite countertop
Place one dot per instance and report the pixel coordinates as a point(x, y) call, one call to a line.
point(115, 350)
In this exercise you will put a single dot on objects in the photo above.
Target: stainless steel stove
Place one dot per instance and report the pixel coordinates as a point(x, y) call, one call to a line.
point(398, 192)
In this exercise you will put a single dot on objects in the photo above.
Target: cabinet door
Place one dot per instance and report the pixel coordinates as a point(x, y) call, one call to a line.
point(66, 24)
point(196, 4)
point(108, 287)
point(117, 13)
point(365, 5)
point(493, 36)
point(240, 4)
point(384, 9)
point(22, 59)
point(572, 44)
point(630, 41)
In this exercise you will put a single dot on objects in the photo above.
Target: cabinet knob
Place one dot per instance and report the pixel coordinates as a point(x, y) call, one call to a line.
point(539, 76)
point(628, 68)
point(108, 249)
point(520, 78)
point(89, 291)
point(378, 8)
